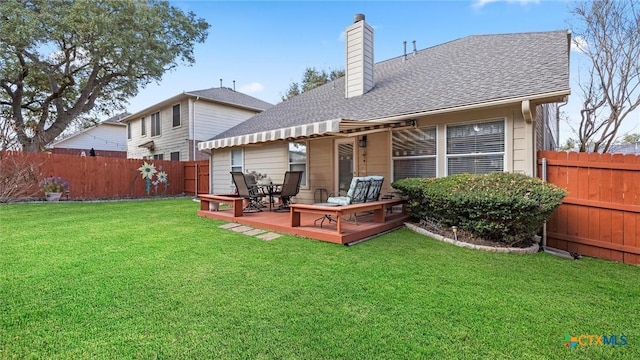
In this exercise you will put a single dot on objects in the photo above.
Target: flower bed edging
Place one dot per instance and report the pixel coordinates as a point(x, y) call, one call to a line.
point(530, 250)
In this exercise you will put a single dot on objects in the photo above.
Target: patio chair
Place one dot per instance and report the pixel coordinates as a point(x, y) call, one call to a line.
point(251, 193)
point(374, 188)
point(357, 193)
point(290, 188)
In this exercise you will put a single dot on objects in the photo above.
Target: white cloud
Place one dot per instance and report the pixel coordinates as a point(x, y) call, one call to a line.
point(252, 88)
point(481, 3)
point(579, 44)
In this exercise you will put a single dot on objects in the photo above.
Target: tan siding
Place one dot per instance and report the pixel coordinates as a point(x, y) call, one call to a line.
point(375, 159)
point(515, 131)
point(519, 146)
point(321, 172)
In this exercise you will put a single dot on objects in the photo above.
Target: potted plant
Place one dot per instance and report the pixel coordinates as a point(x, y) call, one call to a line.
point(53, 187)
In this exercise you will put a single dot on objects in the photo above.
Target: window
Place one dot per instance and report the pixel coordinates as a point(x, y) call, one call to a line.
point(414, 153)
point(129, 131)
point(158, 157)
point(175, 156)
point(236, 160)
point(475, 148)
point(143, 127)
point(298, 160)
point(176, 115)
point(155, 124)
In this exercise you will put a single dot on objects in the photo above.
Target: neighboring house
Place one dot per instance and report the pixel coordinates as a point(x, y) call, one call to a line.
point(171, 129)
point(633, 148)
point(107, 138)
point(472, 105)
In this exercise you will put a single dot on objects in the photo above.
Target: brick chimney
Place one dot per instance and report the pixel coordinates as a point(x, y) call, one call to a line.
point(359, 63)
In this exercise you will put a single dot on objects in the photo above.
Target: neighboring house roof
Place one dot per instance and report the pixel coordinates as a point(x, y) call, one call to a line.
point(220, 95)
point(116, 119)
point(112, 121)
point(480, 69)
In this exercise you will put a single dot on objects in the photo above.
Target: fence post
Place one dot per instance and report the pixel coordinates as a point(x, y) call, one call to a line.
point(196, 182)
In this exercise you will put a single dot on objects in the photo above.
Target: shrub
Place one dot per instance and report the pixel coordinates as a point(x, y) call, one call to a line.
point(503, 207)
point(18, 176)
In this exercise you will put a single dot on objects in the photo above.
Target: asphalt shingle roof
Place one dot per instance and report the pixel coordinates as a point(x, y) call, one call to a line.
point(230, 96)
point(471, 70)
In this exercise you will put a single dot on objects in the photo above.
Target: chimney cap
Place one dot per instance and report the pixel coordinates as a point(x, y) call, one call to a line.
point(358, 17)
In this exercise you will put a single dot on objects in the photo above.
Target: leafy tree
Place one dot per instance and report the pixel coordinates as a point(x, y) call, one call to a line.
point(569, 145)
point(630, 138)
point(61, 60)
point(609, 37)
point(311, 79)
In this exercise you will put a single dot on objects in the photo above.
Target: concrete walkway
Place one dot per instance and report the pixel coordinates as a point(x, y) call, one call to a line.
point(259, 233)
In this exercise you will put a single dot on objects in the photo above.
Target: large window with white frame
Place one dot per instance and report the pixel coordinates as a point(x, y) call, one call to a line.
point(298, 160)
point(414, 153)
point(143, 126)
point(476, 148)
point(155, 124)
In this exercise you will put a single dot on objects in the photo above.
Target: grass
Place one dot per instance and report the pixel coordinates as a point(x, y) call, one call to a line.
point(147, 279)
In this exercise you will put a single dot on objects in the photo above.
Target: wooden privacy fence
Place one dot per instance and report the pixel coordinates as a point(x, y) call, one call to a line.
point(600, 216)
point(103, 178)
point(196, 174)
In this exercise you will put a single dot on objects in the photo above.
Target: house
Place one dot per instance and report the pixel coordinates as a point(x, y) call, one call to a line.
point(171, 129)
point(473, 105)
point(107, 138)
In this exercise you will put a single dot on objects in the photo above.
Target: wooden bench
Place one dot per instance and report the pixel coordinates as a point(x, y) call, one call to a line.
point(211, 202)
point(338, 212)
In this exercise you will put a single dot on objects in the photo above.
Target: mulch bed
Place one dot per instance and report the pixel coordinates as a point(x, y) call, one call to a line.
point(437, 228)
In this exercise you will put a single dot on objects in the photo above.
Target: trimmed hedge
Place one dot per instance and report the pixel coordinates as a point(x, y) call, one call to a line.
point(503, 207)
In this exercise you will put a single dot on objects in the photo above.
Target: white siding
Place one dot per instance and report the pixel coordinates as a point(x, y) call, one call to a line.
point(211, 119)
point(109, 137)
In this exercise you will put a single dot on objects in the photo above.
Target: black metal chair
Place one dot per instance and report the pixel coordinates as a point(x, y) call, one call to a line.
point(251, 193)
point(290, 188)
point(373, 194)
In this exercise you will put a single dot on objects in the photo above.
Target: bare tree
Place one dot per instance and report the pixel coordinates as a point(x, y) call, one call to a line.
point(610, 37)
point(18, 176)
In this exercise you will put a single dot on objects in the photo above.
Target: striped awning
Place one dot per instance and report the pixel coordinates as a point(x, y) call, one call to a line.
point(336, 127)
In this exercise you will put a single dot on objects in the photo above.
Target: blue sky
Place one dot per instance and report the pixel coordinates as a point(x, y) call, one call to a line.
point(266, 45)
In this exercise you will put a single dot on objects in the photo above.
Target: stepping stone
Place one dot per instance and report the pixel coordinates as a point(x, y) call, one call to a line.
point(229, 226)
point(255, 232)
point(241, 229)
point(269, 236)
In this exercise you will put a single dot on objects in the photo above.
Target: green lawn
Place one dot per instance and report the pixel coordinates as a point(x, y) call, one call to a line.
point(147, 279)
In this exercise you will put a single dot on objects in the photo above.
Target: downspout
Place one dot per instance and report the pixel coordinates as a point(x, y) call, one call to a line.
point(552, 251)
point(558, 123)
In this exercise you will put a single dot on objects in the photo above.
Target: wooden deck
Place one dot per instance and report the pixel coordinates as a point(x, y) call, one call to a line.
point(281, 222)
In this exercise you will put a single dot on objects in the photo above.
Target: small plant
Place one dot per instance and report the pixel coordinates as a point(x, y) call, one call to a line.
point(54, 184)
point(257, 177)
